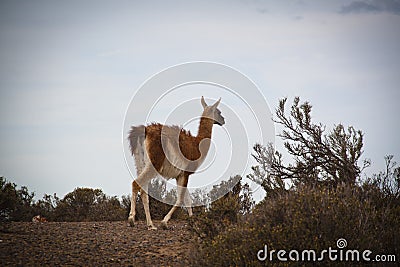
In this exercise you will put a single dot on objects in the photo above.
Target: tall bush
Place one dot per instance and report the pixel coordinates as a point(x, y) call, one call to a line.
point(311, 202)
point(317, 157)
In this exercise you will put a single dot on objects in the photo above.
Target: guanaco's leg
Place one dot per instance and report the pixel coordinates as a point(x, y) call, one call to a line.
point(132, 213)
point(141, 183)
point(188, 202)
point(182, 182)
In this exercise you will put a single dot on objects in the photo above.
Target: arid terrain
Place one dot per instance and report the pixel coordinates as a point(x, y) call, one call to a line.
point(93, 243)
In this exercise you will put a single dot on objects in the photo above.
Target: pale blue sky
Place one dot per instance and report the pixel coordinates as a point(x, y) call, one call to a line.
point(69, 69)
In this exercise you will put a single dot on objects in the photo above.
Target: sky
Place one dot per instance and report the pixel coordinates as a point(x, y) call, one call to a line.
point(68, 70)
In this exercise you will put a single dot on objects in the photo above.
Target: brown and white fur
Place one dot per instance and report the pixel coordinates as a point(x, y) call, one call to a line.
point(171, 152)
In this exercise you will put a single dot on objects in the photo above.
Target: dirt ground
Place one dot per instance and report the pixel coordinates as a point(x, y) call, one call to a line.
point(93, 243)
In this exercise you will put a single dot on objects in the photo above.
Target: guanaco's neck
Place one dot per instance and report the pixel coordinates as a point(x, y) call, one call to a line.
point(205, 128)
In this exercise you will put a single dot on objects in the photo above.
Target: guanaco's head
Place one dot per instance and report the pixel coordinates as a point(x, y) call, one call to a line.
point(213, 112)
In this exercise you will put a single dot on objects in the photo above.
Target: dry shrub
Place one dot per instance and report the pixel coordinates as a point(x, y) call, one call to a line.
point(306, 218)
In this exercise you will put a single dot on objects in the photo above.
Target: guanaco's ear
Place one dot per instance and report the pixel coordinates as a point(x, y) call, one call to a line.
point(203, 102)
point(216, 103)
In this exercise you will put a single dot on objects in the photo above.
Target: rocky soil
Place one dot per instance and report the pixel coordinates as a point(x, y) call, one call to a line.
point(93, 243)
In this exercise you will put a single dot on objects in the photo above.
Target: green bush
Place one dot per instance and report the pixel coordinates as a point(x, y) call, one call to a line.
point(15, 204)
point(82, 204)
point(87, 204)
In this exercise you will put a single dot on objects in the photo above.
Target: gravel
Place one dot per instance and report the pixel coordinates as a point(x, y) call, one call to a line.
point(93, 243)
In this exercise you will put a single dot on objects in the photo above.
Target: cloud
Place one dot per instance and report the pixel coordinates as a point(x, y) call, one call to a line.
point(359, 7)
point(298, 17)
point(372, 6)
point(262, 10)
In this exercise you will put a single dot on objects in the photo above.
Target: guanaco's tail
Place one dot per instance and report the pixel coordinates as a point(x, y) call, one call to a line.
point(136, 138)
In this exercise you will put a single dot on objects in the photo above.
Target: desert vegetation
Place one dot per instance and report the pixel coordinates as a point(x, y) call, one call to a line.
point(80, 205)
point(311, 202)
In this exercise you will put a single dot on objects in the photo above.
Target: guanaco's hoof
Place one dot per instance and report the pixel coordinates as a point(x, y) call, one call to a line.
point(164, 225)
point(151, 227)
point(131, 221)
